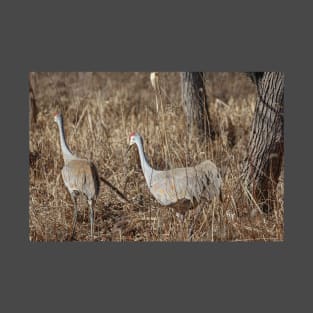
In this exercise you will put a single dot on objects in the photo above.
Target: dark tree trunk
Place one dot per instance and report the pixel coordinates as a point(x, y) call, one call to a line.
point(195, 104)
point(33, 111)
point(266, 146)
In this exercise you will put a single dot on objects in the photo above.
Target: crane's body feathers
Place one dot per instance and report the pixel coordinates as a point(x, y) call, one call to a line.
point(81, 175)
point(183, 188)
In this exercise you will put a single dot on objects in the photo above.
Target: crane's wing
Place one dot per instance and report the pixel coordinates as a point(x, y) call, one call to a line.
point(191, 183)
point(171, 186)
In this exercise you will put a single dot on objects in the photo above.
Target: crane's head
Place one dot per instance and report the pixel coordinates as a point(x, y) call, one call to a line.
point(134, 138)
point(57, 117)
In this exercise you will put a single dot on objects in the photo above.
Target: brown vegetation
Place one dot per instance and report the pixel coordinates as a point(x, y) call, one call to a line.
point(100, 110)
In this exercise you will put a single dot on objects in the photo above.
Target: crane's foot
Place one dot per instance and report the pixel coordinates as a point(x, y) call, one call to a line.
point(192, 227)
point(190, 232)
point(72, 237)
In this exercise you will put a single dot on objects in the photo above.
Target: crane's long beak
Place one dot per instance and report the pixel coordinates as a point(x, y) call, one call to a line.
point(128, 149)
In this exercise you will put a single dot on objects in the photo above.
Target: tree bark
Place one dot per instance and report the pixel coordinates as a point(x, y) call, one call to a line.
point(195, 104)
point(33, 110)
point(266, 145)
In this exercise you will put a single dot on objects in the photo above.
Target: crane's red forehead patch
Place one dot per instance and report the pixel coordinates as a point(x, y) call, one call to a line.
point(56, 114)
point(132, 134)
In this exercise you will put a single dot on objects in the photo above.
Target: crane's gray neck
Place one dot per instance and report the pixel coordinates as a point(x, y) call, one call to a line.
point(146, 168)
point(67, 154)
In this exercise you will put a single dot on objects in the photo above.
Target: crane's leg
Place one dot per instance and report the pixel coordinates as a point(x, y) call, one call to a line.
point(74, 198)
point(90, 203)
point(181, 219)
point(192, 227)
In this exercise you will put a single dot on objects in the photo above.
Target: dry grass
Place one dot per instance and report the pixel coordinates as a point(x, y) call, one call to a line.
point(100, 110)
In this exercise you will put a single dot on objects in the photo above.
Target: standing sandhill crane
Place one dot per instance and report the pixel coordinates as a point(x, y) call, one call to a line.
point(179, 188)
point(79, 176)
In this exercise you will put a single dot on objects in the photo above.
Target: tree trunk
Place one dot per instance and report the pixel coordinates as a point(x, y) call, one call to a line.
point(33, 110)
point(195, 104)
point(266, 145)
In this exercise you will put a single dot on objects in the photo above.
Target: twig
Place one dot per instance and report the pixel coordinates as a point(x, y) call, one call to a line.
point(120, 193)
point(115, 189)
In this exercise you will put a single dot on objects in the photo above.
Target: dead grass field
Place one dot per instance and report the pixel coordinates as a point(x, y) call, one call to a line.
point(100, 110)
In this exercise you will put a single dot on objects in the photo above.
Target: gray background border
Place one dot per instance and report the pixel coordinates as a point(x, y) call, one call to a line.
point(145, 36)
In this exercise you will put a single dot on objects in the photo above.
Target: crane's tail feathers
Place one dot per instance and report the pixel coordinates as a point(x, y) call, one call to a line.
point(118, 192)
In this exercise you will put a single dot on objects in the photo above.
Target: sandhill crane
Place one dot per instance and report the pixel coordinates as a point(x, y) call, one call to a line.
point(79, 176)
point(179, 188)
